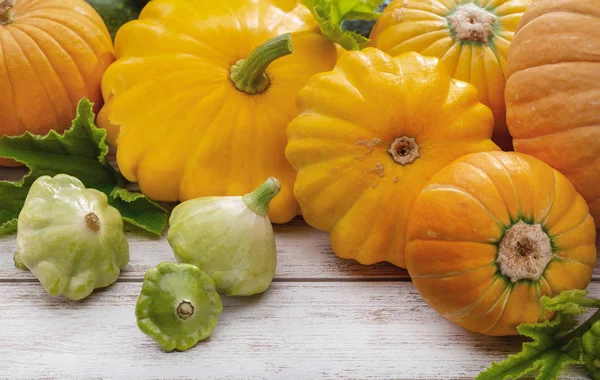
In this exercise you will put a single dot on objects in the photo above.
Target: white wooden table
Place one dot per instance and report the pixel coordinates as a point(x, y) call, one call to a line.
point(322, 318)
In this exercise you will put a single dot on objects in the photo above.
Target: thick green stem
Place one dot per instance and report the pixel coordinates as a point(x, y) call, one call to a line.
point(585, 326)
point(258, 200)
point(6, 12)
point(249, 75)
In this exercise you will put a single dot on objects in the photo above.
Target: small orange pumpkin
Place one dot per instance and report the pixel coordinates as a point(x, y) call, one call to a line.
point(52, 53)
point(492, 233)
point(553, 91)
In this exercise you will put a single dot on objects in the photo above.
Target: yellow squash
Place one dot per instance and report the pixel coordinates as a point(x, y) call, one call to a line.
point(470, 37)
point(189, 117)
point(492, 233)
point(369, 135)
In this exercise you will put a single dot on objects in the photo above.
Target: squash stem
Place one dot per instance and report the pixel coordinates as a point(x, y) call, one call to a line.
point(258, 200)
point(6, 12)
point(249, 75)
point(585, 326)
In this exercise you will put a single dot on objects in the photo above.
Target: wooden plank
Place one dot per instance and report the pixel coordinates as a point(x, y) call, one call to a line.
point(295, 330)
point(303, 252)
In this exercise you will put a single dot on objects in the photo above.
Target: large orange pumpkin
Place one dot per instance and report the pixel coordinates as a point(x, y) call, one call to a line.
point(493, 232)
point(52, 53)
point(553, 90)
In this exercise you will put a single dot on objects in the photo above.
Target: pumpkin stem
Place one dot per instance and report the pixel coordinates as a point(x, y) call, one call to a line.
point(524, 252)
point(185, 310)
point(249, 75)
point(6, 12)
point(404, 150)
point(472, 23)
point(258, 200)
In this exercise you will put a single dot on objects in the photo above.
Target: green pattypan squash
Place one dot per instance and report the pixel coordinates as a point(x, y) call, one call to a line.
point(70, 238)
point(178, 306)
point(229, 238)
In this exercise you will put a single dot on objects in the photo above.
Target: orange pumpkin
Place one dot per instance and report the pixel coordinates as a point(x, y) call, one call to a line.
point(553, 91)
point(52, 53)
point(493, 232)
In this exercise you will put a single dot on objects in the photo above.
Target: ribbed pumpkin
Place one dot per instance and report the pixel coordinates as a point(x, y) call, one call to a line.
point(470, 37)
point(52, 53)
point(369, 136)
point(493, 232)
point(553, 91)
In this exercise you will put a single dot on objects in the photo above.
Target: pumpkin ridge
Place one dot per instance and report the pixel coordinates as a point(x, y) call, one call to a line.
point(557, 133)
point(512, 183)
point(37, 74)
point(560, 11)
point(10, 82)
point(465, 310)
point(455, 63)
point(481, 171)
point(438, 187)
point(561, 259)
point(551, 64)
point(440, 29)
point(433, 16)
point(89, 17)
point(539, 301)
point(79, 19)
point(75, 32)
point(78, 70)
point(543, 220)
point(509, 289)
point(566, 211)
point(452, 274)
point(50, 63)
point(585, 220)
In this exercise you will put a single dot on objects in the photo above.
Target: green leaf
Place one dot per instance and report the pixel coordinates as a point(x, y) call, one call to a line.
point(543, 353)
point(138, 210)
point(570, 302)
point(331, 13)
point(556, 343)
point(80, 152)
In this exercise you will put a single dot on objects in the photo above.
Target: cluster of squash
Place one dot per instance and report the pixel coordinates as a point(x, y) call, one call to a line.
point(389, 149)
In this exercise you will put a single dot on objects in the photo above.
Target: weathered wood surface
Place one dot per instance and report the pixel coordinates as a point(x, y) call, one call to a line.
point(303, 253)
point(323, 318)
point(296, 330)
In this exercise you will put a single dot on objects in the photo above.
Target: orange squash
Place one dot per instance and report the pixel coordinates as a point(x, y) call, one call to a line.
point(553, 91)
point(492, 233)
point(52, 53)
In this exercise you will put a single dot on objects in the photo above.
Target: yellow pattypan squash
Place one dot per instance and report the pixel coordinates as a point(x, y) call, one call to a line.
point(470, 37)
point(202, 91)
point(369, 135)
